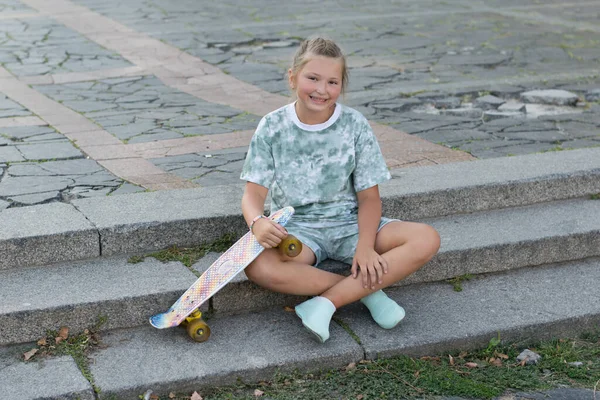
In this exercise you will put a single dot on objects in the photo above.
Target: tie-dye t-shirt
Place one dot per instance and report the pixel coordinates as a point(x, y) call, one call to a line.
point(317, 169)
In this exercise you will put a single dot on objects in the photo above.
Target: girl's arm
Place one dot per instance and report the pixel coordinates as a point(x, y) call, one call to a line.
point(372, 265)
point(268, 233)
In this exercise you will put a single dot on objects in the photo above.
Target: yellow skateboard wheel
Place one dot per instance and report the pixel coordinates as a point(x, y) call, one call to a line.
point(290, 246)
point(198, 330)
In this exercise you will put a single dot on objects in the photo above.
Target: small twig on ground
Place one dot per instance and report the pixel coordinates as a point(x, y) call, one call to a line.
point(595, 387)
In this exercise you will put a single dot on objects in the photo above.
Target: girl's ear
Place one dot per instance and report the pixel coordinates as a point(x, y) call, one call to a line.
point(291, 79)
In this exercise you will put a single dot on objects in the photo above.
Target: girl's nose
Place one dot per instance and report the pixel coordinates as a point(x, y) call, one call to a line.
point(321, 87)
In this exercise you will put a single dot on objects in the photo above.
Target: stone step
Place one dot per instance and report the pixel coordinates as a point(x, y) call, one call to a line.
point(76, 294)
point(140, 222)
point(527, 303)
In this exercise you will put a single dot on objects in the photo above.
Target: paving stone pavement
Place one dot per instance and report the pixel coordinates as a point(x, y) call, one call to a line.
point(101, 97)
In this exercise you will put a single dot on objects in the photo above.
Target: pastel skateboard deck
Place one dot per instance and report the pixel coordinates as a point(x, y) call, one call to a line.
point(223, 270)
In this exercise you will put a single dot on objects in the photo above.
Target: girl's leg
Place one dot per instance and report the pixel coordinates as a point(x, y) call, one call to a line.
point(283, 274)
point(406, 246)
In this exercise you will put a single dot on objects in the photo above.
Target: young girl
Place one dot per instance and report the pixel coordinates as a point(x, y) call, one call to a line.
point(322, 158)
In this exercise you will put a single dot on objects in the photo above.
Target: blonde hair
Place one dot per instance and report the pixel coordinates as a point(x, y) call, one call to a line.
point(319, 46)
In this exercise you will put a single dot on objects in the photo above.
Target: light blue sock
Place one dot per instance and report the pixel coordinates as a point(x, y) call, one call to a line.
point(316, 315)
point(385, 311)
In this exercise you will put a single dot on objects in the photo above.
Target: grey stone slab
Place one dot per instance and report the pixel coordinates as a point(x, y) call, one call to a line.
point(542, 302)
point(252, 347)
point(45, 234)
point(492, 115)
point(26, 185)
point(415, 193)
point(466, 112)
point(551, 96)
point(556, 394)
point(127, 188)
point(150, 221)
point(10, 154)
point(53, 378)
point(76, 294)
point(37, 198)
point(516, 237)
point(50, 151)
point(26, 133)
point(489, 102)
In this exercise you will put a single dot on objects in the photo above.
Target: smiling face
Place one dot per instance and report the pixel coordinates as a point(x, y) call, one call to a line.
point(317, 86)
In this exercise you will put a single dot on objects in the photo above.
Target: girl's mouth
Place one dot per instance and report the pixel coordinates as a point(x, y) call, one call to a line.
point(317, 99)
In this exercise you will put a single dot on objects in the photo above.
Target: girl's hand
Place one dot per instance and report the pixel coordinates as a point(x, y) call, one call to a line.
point(268, 233)
point(371, 265)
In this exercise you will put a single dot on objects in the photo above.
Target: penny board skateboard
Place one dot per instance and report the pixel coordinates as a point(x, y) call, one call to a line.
point(227, 266)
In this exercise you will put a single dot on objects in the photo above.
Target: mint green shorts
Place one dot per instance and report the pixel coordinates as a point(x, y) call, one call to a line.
point(336, 240)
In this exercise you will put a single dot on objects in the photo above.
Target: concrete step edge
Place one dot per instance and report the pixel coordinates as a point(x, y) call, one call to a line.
point(141, 222)
point(524, 304)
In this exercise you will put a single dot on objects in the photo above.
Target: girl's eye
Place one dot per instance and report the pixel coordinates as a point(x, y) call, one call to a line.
point(333, 83)
point(312, 78)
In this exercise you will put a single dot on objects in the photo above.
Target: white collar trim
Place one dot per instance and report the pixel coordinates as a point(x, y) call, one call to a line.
point(291, 109)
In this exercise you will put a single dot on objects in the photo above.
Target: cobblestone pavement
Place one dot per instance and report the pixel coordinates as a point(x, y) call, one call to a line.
point(101, 97)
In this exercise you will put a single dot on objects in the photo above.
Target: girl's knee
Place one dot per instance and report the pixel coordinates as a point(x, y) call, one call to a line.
point(427, 242)
point(263, 270)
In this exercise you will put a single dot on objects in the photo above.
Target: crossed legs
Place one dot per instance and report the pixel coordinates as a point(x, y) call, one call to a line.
point(406, 246)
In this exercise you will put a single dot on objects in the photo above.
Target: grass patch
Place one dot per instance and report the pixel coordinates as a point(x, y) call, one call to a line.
point(457, 281)
point(61, 343)
point(595, 196)
point(481, 374)
point(188, 255)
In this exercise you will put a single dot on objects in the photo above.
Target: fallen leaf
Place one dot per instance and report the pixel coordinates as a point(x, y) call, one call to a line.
point(154, 397)
point(64, 332)
point(462, 354)
point(471, 365)
point(522, 363)
point(29, 354)
point(196, 396)
point(503, 356)
point(172, 395)
point(288, 309)
point(497, 362)
point(350, 366)
point(42, 342)
point(360, 397)
point(416, 374)
point(258, 393)
point(451, 359)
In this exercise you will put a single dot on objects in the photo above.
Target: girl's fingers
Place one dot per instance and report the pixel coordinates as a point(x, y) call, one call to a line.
point(373, 276)
point(365, 277)
point(384, 264)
